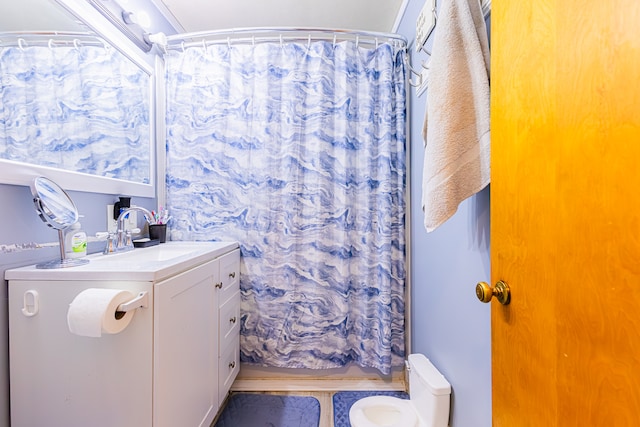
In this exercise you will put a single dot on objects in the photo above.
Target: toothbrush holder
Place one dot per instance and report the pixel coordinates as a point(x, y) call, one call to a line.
point(158, 232)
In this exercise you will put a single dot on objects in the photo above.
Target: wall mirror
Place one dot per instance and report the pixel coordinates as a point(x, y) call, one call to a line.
point(72, 106)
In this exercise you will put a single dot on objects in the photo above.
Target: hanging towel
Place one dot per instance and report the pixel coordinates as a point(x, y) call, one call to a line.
point(456, 128)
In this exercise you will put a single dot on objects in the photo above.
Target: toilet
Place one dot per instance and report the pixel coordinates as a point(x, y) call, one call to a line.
point(428, 404)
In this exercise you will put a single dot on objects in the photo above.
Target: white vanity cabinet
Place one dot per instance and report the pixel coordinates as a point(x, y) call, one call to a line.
point(189, 336)
point(171, 366)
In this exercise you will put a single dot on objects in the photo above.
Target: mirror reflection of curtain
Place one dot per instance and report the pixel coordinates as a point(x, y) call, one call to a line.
point(82, 108)
point(298, 152)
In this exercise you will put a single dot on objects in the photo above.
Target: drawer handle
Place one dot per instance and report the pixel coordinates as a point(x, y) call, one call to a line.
point(232, 365)
point(233, 319)
point(219, 285)
point(232, 275)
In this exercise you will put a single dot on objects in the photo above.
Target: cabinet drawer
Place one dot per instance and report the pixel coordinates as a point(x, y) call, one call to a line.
point(229, 322)
point(228, 369)
point(229, 276)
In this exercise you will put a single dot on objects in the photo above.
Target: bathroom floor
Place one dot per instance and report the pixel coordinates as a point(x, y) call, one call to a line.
point(328, 400)
point(282, 382)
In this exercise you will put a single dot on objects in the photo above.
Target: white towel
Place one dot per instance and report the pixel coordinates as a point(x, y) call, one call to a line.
point(456, 128)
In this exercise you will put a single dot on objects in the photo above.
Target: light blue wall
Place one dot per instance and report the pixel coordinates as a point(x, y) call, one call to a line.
point(450, 326)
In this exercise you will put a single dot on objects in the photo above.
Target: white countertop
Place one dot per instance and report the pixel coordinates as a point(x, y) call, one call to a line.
point(141, 264)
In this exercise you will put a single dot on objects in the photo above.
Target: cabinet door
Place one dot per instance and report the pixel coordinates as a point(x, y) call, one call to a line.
point(186, 348)
point(61, 379)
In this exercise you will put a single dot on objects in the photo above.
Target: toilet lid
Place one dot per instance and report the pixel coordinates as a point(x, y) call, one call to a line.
point(382, 411)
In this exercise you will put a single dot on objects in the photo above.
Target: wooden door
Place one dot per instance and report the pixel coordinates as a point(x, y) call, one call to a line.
point(565, 212)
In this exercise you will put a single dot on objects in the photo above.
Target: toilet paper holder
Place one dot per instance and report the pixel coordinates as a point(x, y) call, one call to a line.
point(141, 301)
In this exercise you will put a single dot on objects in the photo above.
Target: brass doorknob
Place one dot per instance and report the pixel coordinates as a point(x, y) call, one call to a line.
point(501, 291)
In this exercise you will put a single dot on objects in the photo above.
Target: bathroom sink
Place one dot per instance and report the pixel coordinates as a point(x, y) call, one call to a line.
point(146, 264)
point(163, 252)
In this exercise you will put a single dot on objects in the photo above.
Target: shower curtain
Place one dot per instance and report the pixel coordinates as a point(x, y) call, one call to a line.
point(297, 151)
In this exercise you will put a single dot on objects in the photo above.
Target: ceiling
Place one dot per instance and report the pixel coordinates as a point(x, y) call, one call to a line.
point(203, 15)
point(179, 16)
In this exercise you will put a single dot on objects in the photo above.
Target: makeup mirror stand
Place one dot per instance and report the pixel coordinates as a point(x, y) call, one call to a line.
point(57, 210)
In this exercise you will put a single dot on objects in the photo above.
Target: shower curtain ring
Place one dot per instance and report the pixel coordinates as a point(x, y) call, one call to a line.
point(182, 46)
point(204, 45)
point(334, 41)
point(357, 41)
point(21, 44)
point(76, 44)
point(281, 45)
point(309, 42)
point(50, 44)
point(229, 42)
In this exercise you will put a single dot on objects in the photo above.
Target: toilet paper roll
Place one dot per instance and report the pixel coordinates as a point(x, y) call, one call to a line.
point(93, 312)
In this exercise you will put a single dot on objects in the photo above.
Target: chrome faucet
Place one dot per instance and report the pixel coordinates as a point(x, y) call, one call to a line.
point(123, 239)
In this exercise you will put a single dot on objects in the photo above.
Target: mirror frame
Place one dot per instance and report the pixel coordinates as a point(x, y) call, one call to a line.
point(19, 173)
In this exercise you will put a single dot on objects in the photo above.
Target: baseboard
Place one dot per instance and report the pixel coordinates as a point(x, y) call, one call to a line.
point(256, 384)
point(252, 378)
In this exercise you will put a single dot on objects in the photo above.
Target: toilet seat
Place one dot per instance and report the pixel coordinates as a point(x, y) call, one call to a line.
point(383, 411)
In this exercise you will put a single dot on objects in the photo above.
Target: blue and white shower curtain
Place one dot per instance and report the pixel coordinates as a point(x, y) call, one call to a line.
point(297, 151)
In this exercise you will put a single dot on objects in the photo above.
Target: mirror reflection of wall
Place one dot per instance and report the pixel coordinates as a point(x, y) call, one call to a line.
point(68, 99)
point(37, 15)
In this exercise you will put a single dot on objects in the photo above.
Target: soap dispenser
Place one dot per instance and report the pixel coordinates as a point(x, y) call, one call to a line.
point(75, 242)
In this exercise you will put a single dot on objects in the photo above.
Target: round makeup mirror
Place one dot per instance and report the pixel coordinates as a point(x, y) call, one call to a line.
point(57, 210)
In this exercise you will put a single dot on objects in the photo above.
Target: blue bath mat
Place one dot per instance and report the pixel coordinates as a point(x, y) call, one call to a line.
point(343, 400)
point(269, 410)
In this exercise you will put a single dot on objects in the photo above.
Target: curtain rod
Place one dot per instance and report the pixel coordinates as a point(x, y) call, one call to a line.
point(49, 38)
point(264, 34)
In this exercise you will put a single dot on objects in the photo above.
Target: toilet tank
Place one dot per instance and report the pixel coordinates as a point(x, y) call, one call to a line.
point(429, 391)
